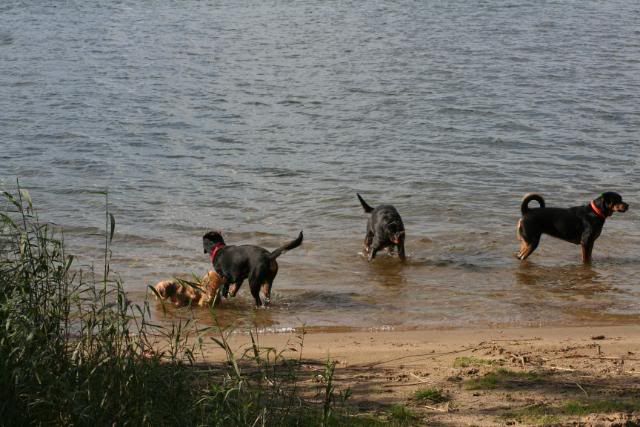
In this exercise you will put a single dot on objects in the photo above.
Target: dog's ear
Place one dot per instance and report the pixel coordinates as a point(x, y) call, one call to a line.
point(608, 201)
point(602, 203)
point(207, 244)
point(210, 239)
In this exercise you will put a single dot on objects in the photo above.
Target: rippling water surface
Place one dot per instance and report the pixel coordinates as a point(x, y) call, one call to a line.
point(265, 118)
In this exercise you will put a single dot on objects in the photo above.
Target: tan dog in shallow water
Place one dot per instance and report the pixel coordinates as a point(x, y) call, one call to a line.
point(181, 293)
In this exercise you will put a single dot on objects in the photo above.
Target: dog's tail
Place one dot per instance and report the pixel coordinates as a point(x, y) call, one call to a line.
point(291, 245)
point(364, 204)
point(524, 208)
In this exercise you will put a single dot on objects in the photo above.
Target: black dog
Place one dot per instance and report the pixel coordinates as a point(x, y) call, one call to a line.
point(580, 225)
point(237, 263)
point(384, 229)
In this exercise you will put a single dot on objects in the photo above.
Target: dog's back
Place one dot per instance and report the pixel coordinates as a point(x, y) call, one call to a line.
point(241, 258)
point(562, 223)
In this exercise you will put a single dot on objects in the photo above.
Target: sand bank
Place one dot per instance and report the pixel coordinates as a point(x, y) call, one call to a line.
point(513, 376)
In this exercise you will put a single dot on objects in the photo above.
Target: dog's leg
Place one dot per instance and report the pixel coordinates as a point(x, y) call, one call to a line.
point(523, 248)
point(528, 248)
point(225, 289)
point(266, 291)
point(367, 242)
point(401, 251)
point(255, 292)
point(374, 250)
point(523, 244)
point(587, 249)
point(234, 288)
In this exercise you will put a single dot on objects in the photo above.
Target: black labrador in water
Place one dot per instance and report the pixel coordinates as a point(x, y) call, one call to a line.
point(384, 229)
point(580, 224)
point(237, 263)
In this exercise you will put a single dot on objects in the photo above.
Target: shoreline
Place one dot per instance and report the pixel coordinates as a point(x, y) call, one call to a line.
point(539, 376)
point(378, 343)
point(315, 330)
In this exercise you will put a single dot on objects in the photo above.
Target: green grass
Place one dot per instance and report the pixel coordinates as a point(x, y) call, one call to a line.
point(401, 415)
point(433, 395)
point(465, 362)
point(538, 415)
point(600, 406)
point(75, 351)
point(553, 415)
point(503, 378)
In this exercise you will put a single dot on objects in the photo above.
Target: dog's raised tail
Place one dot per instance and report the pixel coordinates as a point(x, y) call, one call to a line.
point(287, 247)
point(524, 208)
point(364, 204)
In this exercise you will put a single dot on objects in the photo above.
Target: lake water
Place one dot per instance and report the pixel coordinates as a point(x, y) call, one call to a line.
point(262, 118)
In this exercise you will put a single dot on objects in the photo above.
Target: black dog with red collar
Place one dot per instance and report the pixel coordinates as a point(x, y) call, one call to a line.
point(580, 225)
point(237, 263)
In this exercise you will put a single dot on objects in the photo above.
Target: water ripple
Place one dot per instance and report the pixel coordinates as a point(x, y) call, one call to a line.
point(265, 118)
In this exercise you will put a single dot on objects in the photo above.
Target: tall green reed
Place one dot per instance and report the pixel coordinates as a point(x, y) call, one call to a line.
point(75, 351)
point(68, 353)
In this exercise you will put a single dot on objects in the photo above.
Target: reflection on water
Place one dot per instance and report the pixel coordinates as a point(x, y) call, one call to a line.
point(387, 271)
point(579, 292)
point(578, 278)
point(265, 118)
point(234, 314)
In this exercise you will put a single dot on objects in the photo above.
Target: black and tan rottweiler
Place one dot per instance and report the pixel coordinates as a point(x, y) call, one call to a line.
point(580, 225)
point(384, 229)
point(237, 263)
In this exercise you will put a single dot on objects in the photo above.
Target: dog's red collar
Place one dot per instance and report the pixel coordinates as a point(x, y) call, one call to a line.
point(214, 251)
point(596, 210)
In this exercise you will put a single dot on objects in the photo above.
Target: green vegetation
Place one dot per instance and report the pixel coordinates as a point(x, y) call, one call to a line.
point(433, 395)
point(465, 362)
point(552, 415)
point(503, 378)
point(600, 406)
point(539, 415)
point(75, 351)
point(401, 415)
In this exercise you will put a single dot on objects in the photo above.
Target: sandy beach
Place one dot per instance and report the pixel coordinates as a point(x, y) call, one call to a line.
point(512, 376)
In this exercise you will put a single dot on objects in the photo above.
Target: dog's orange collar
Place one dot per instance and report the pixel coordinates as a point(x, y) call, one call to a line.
point(214, 251)
point(597, 211)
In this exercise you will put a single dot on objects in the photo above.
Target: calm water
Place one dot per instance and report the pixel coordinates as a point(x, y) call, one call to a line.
point(265, 118)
